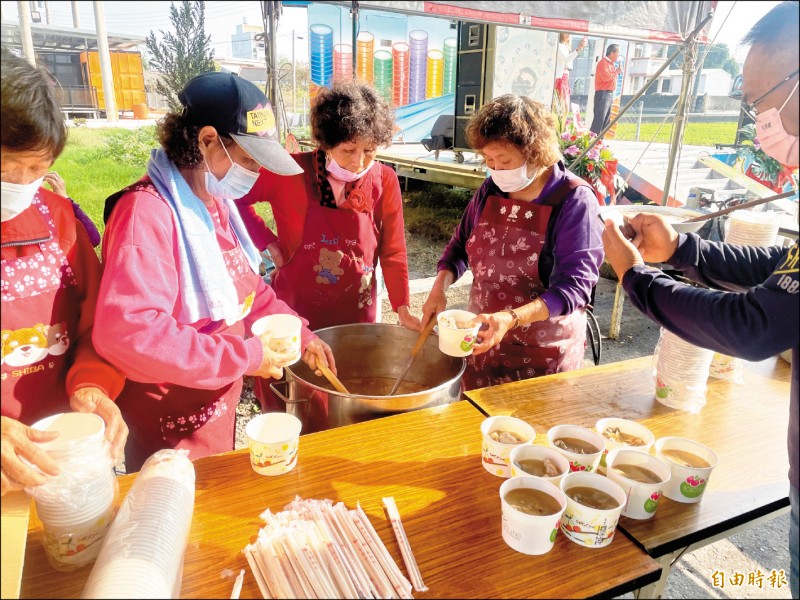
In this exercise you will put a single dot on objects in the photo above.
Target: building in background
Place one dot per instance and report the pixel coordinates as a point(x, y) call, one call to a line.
point(246, 43)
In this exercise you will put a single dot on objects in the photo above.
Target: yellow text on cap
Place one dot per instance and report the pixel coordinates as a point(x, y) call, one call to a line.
point(260, 120)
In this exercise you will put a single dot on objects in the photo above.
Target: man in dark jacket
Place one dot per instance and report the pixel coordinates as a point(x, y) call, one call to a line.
point(760, 318)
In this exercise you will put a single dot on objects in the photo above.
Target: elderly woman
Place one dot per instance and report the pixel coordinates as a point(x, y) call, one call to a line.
point(339, 219)
point(181, 286)
point(532, 239)
point(50, 276)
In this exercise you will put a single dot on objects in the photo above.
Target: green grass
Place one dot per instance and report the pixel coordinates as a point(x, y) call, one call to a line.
point(695, 134)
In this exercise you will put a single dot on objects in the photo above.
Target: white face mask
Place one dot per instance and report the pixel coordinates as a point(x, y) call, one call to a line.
point(237, 182)
point(16, 198)
point(512, 180)
point(343, 174)
point(774, 139)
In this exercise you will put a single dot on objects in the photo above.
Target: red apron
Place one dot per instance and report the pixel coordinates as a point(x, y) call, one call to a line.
point(173, 416)
point(41, 310)
point(503, 252)
point(330, 278)
point(562, 91)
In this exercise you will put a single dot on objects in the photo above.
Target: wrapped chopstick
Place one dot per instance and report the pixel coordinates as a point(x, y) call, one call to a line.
point(405, 546)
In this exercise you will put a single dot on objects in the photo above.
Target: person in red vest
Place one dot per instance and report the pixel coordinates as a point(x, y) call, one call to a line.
point(50, 278)
point(605, 82)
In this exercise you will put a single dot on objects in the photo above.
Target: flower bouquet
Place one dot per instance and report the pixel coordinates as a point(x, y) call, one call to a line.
point(598, 167)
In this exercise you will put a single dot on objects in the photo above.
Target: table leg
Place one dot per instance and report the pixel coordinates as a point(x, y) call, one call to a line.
point(654, 590)
point(616, 312)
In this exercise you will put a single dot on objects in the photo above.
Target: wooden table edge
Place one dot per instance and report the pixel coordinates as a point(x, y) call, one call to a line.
point(631, 586)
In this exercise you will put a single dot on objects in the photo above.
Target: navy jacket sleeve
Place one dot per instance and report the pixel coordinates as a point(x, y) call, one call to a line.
point(753, 324)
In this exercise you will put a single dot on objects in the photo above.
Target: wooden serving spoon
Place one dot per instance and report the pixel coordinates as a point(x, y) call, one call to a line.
point(414, 351)
point(333, 379)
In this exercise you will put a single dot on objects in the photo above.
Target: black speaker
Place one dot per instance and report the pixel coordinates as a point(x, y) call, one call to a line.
point(471, 76)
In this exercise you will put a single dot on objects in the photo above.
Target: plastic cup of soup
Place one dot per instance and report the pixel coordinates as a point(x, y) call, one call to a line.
point(500, 436)
point(532, 510)
point(623, 433)
point(643, 478)
point(582, 447)
point(281, 336)
point(456, 335)
point(690, 464)
point(531, 460)
point(594, 504)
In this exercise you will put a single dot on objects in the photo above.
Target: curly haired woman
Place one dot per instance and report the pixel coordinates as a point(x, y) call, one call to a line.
point(532, 239)
point(336, 221)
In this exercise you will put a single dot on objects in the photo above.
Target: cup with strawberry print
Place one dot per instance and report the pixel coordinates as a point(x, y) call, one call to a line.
point(582, 447)
point(500, 435)
point(456, 333)
point(531, 520)
point(643, 478)
point(690, 464)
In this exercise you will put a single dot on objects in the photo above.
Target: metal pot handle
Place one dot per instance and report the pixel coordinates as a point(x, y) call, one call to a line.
point(284, 395)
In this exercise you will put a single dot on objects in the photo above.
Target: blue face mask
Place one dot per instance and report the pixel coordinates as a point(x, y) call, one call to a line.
point(237, 182)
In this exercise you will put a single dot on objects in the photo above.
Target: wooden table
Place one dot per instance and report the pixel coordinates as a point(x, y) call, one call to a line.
point(429, 460)
point(745, 424)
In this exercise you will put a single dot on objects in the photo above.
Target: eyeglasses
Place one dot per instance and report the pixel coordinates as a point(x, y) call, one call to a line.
point(750, 107)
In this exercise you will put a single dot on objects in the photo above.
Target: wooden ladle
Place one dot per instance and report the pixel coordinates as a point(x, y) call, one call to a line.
point(333, 379)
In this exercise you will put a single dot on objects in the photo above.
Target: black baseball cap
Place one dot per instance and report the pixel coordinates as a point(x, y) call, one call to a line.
point(237, 108)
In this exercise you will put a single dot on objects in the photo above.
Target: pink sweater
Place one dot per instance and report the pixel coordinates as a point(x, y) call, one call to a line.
point(136, 324)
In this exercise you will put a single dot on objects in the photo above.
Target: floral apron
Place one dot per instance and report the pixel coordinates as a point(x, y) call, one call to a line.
point(503, 252)
point(41, 309)
point(173, 416)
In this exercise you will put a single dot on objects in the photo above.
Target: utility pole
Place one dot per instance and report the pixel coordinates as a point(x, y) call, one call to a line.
point(24, 10)
point(76, 17)
point(106, 73)
point(47, 12)
point(294, 80)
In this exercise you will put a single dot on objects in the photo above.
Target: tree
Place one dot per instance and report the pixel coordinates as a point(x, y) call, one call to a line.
point(181, 55)
point(718, 57)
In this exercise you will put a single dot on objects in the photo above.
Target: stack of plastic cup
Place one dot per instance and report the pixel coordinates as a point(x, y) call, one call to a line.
point(681, 372)
point(435, 77)
point(450, 57)
point(142, 556)
point(750, 228)
point(400, 73)
point(320, 51)
point(365, 44)
point(418, 65)
point(383, 74)
point(342, 62)
point(77, 506)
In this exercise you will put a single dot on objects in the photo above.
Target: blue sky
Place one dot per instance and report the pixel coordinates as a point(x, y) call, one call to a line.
point(138, 18)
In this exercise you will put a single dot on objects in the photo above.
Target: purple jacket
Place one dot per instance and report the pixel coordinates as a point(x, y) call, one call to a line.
point(756, 323)
point(574, 245)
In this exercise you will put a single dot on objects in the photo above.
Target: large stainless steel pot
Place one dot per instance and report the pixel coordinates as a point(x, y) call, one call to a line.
point(370, 350)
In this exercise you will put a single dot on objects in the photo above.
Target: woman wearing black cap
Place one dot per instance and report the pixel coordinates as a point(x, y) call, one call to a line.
point(181, 286)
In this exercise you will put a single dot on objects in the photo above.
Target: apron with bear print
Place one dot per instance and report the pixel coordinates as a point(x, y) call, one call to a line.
point(40, 315)
point(503, 253)
point(173, 416)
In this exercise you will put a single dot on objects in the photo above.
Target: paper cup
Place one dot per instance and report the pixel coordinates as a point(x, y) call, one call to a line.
point(75, 431)
point(534, 452)
point(626, 427)
point(643, 498)
point(281, 333)
point(273, 439)
point(578, 462)
point(495, 454)
point(527, 533)
point(455, 341)
point(72, 546)
point(587, 526)
point(687, 484)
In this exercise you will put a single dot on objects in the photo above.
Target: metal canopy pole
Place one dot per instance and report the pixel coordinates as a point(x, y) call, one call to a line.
point(642, 91)
point(354, 16)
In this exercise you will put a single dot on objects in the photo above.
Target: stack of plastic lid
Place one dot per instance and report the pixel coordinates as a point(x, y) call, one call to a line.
point(383, 74)
point(77, 506)
point(750, 228)
point(320, 50)
point(400, 68)
point(142, 556)
point(418, 67)
point(365, 44)
point(342, 62)
point(450, 57)
point(681, 372)
point(433, 87)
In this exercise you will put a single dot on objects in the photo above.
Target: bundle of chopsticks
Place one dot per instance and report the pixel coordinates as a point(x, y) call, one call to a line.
point(317, 549)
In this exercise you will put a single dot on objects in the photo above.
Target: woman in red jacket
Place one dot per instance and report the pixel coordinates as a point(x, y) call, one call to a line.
point(50, 277)
point(338, 219)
